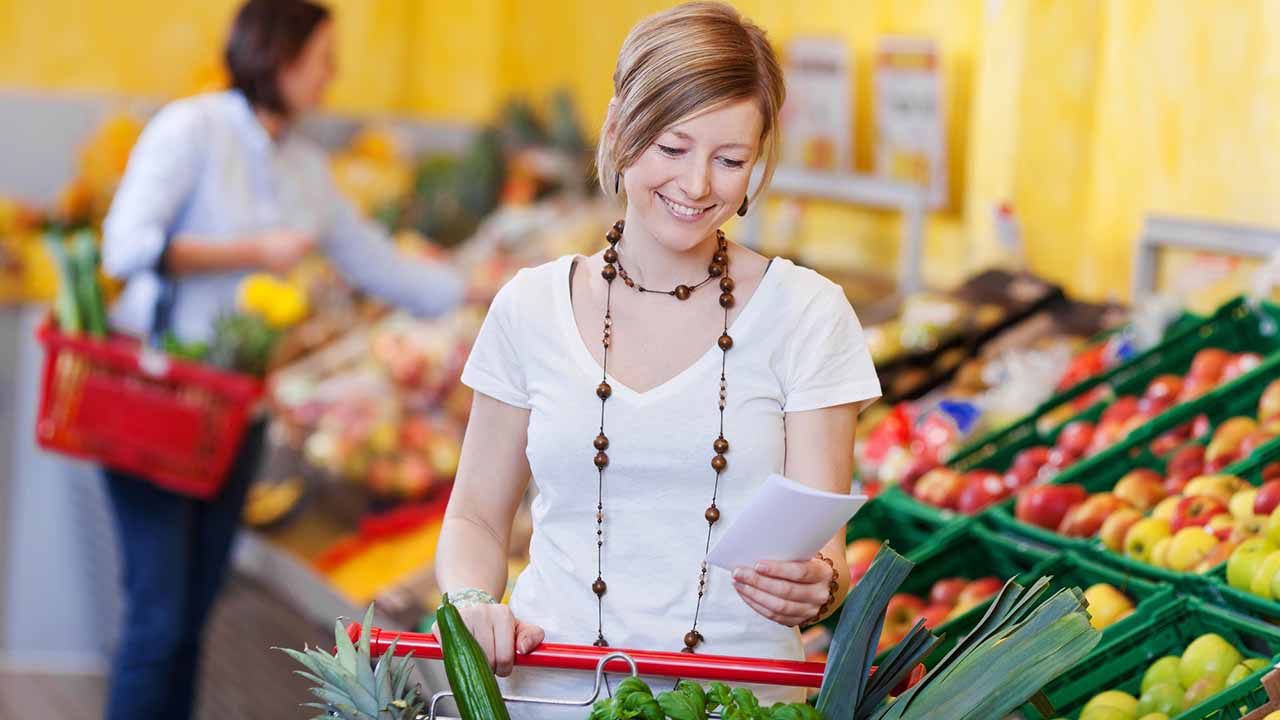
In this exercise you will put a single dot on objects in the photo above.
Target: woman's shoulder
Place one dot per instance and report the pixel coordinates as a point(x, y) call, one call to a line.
point(534, 286)
point(804, 290)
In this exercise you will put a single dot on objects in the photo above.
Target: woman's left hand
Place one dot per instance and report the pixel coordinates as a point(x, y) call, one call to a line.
point(788, 593)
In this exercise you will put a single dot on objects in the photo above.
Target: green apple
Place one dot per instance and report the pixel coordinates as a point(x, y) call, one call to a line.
point(1202, 689)
point(1263, 576)
point(1244, 561)
point(1154, 716)
point(1106, 712)
point(1273, 525)
point(1245, 669)
point(1208, 655)
point(1161, 697)
point(1164, 670)
point(1113, 699)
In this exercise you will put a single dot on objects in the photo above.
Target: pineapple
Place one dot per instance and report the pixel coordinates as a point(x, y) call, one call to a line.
point(351, 687)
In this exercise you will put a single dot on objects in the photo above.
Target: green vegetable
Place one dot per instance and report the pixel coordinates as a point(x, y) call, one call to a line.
point(242, 343)
point(194, 351)
point(65, 306)
point(84, 261)
point(475, 690)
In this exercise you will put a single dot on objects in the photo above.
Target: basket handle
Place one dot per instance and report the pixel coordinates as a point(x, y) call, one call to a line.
point(787, 673)
point(1270, 683)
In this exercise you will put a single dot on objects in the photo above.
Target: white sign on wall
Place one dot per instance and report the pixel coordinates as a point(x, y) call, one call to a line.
point(911, 142)
point(817, 120)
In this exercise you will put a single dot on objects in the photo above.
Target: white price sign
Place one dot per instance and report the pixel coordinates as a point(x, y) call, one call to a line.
point(817, 120)
point(911, 140)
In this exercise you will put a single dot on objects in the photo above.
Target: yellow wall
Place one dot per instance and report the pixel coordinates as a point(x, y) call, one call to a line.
point(1085, 114)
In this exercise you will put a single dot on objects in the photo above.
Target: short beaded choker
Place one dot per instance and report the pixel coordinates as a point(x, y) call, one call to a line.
point(719, 268)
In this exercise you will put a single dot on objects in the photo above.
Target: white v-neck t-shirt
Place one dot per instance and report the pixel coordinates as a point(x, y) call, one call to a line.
point(797, 346)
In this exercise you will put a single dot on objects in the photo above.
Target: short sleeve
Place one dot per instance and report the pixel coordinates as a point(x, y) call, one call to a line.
point(829, 363)
point(494, 366)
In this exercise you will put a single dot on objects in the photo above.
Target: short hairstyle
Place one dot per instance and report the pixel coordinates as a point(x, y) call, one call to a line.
point(678, 63)
point(266, 36)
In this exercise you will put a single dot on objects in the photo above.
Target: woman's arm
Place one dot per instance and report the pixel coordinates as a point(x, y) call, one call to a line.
point(493, 473)
point(819, 453)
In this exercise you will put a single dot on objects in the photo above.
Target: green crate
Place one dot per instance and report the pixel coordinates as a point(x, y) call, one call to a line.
point(1120, 659)
point(1100, 473)
point(882, 518)
point(1236, 326)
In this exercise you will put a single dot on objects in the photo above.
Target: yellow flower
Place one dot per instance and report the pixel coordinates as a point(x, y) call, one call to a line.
point(287, 307)
point(255, 292)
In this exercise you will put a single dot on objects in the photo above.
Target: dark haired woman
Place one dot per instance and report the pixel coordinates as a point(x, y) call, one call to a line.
point(219, 185)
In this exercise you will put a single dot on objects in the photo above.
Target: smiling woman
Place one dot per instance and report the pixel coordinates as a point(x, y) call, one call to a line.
point(651, 388)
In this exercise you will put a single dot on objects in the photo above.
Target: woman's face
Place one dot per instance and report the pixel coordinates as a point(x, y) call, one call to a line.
point(304, 81)
point(695, 174)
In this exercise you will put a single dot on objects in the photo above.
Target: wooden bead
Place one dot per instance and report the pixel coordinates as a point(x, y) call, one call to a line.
point(630, 283)
point(725, 342)
point(726, 284)
point(602, 459)
point(599, 587)
point(715, 270)
point(721, 445)
point(720, 258)
point(682, 292)
point(691, 640)
point(611, 256)
point(603, 391)
point(609, 273)
point(613, 236)
point(712, 514)
point(619, 225)
point(719, 463)
point(601, 442)
point(726, 300)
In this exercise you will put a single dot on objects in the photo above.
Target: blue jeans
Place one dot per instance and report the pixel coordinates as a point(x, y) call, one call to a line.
point(175, 552)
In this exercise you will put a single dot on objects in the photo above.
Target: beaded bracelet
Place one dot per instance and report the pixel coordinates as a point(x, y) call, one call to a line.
point(833, 587)
point(468, 597)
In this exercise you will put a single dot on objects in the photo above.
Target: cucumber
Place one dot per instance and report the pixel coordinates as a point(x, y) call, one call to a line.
point(65, 306)
point(475, 689)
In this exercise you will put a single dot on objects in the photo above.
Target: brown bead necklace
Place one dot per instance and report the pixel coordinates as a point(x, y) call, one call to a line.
point(612, 270)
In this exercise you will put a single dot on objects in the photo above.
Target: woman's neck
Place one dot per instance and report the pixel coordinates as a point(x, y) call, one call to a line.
point(656, 266)
point(273, 122)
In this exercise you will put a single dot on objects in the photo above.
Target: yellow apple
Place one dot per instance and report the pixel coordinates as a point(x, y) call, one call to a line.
point(1273, 525)
point(1164, 511)
point(1160, 553)
point(1250, 527)
point(1143, 536)
point(1219, 486)
point(1106, 605)
point(1243, 563)
point(1262, 577)
point(1116, 699)
point(1241, 505)
point(1189, 547)
point(1222, 525)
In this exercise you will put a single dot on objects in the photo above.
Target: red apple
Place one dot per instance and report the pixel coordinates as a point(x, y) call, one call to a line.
point(1187, 463)
point(1062, 458)
point(1271, 472)
point(918, 469)
point(1076, 436)
point(1268, 498)
point(859, 555)
point(979, 590)
point(1033, 457)
point(1141, 488)
point(1200, 426)
point(1253, 441)
point(1170, 441)
point(1116, 525)
point(902, 612)
point(1208, 365)
point(1045, 505)
point(1108, 434)
point(1085, 520)
point(1238, 365)
point(1149, 407)
point(935, 614)
point(982, 489)
point(1121, 410)
point(940, 487)
point(1196, 511)
point(1164, 386)
point(946, 590)
point(1018, 478)
point(1269, 403)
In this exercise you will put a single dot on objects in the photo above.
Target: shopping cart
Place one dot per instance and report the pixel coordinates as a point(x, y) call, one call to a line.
point(689, 666)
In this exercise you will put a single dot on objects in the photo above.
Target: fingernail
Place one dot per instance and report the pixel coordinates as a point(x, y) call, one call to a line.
point(739, 574)
point(761, 567)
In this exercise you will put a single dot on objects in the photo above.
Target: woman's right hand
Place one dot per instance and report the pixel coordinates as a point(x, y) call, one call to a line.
point(279, 250)
point(500, 634)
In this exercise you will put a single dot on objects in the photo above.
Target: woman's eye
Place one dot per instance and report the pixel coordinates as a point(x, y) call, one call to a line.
point(670, 151)
point(729, 162)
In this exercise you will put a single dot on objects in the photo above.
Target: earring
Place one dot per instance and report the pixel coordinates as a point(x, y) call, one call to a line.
point(617, 181)
point(742, 211)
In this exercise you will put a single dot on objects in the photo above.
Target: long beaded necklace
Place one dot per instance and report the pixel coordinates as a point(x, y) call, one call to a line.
point(612, 270)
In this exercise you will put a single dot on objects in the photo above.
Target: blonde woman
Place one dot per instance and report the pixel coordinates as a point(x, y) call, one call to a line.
point(651, 388)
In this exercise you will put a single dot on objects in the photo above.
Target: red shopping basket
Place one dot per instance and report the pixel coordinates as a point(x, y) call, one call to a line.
point(760, 671)
point(176, 423)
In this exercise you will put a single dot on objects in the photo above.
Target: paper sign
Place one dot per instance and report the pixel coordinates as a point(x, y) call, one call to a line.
point(817, 120)
point(911, 142)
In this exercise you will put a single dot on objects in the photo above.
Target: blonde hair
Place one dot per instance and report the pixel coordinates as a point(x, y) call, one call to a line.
point(681, 62)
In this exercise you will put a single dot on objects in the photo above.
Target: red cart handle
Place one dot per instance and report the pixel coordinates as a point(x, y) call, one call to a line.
point(762, 671)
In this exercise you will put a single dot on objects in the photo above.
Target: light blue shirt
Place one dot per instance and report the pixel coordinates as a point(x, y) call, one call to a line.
point(204, 166)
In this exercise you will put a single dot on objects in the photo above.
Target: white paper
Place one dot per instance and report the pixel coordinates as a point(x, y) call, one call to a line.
point(784, 521)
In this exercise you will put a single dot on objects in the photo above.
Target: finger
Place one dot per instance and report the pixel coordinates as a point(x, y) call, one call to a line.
point(778, 606)
point(802, 571)
point(528, 637)
point(767, 613)
point(503, 642)
point(784, 589)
